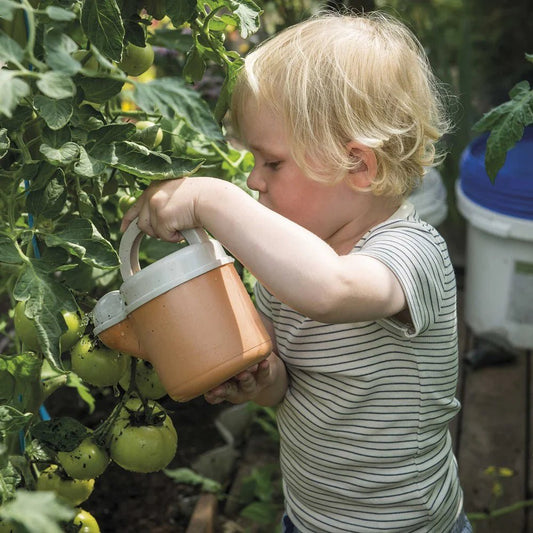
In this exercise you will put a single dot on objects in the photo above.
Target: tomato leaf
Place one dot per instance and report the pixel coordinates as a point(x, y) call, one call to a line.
point(61, 434)
point(4, 142)
point(10, 50)
point(10, 479)
point(58, 13)
point(65, 154)
point(56, 85)
point(7, 383)
point(56, 113)
point(140, 161)
point(8, 251)
point(111, 133)
point(102, 23)
point(13, 90)
point(84, 392)
point(8, 8)
point(506, 123)
point(47, 193)
point(12, 420)
point(88, 166)
point(81, 239)
point(181, 12)
point(45, 297)
point(37, 511)
point(246, 14)
point(227, 88)
point(173, 98)
point(58, 46)
point(99, 89)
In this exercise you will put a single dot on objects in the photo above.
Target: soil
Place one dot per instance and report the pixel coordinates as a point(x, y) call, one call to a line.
point(124, 501)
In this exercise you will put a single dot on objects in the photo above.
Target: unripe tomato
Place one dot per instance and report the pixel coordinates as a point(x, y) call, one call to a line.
point(151, 138)
point(146, 379)
point(124, 203)
point(27, 332)
point(74, 491)
point(86, 522)
point(136, 59)
point(142, 448)
point(87, 60)
point(86, 461)
point(96, 364)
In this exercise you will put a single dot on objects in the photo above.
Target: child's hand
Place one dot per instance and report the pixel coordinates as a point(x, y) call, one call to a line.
point(244, 386)
point(165, 207)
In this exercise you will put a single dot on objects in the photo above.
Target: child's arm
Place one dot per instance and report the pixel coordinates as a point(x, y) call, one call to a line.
point(295, 265)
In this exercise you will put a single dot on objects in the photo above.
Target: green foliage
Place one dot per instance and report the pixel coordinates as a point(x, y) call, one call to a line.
point(506, 124)
point(261, 493)
point(69, 152)
point(38, 512)
point(189, 477)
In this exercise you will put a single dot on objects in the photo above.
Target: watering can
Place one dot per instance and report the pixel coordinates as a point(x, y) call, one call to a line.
point(188, 314)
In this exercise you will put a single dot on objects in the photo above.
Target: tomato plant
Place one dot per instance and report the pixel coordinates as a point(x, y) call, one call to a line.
point(147, 382)
point(69, 152)
point(26, 329)
point(85, 522)
point(150, 134)
point(74, 491)
point(143, 437)
point(96, 364)
point(136, 59)
point(87, 461)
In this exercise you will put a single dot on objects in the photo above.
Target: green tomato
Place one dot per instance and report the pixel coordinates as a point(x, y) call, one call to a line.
point(74, 491)
point(136, 59)
point(150, 134)
point(142, 448)
point(27, 332)
point(146, 379)
point(96, 364)
point(87, 60)
point(86, 461)
point(86, 522)
point(124, 203)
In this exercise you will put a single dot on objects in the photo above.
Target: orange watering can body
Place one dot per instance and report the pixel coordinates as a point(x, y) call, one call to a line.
point(189, 314)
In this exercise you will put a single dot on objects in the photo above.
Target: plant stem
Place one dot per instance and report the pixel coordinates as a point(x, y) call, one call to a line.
point(475, 517)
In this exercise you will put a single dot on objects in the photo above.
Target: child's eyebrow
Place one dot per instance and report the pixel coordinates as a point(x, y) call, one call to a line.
point(262, 150)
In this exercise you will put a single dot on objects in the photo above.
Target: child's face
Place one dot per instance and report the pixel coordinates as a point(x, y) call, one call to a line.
point(282, 185)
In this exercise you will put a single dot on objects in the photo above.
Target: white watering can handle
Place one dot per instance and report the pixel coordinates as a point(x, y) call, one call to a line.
point(128, 250)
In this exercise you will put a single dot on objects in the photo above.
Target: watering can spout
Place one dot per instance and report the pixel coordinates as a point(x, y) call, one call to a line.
point(113, 326)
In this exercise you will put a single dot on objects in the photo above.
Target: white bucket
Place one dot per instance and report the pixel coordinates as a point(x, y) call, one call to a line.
point(429, 198)
point(499, 274)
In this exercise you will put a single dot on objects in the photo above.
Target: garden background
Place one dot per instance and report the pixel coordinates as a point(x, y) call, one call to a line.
point(101, 97)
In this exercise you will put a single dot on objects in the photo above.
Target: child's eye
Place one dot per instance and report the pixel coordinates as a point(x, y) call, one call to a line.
point(272, 165)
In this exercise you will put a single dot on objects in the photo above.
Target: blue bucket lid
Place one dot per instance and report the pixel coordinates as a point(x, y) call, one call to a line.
point(512, 192)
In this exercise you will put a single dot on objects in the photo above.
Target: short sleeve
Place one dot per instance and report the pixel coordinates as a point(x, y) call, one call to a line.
point(418, 257)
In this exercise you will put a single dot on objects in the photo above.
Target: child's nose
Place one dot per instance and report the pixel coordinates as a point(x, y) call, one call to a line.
point(255, 181)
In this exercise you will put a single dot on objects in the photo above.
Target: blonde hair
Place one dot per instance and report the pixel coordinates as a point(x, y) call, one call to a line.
point(337, 78)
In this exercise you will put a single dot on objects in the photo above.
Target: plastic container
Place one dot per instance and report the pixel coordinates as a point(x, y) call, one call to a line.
point(430, 198)
point(189, 314)
point(499, 243)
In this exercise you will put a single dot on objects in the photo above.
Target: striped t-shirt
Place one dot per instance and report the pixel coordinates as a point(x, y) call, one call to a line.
point(365, 445)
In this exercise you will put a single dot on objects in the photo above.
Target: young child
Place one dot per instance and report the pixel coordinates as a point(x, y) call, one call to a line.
point(342, 114)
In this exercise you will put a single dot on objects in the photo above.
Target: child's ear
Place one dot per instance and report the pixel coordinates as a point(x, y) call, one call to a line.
point(364, 169)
